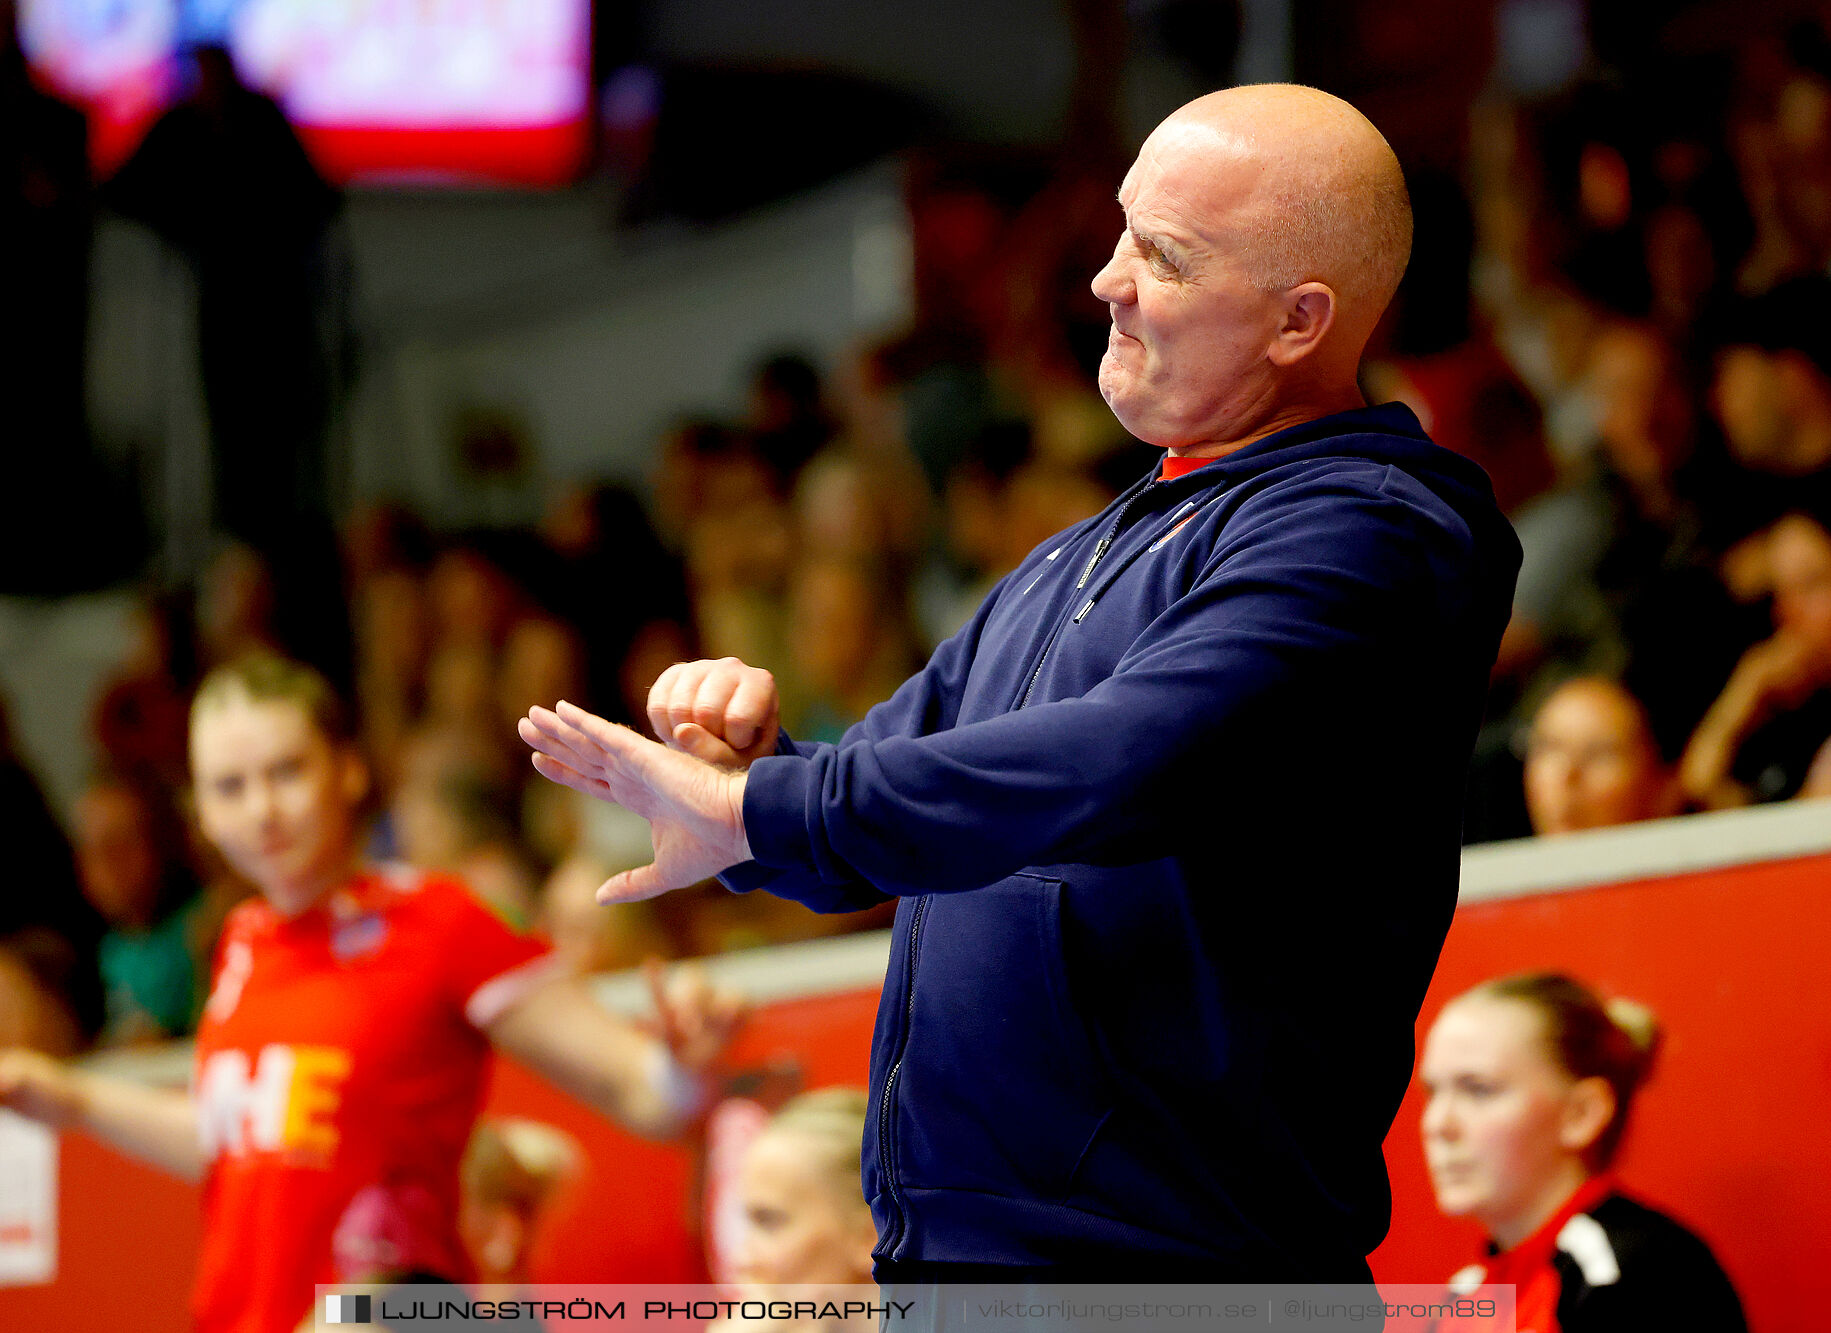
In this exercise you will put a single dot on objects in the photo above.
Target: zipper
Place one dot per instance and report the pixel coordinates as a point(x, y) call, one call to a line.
point(1101, 547)
point(1038, 669)
point(1170, 529)
point(885, 1111)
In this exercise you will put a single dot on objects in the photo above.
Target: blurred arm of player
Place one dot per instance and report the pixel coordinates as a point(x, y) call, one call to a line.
point(654, 1084)
point(157, 1126)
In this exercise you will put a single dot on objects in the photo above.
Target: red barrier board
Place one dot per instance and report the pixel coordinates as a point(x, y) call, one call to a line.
point(1729, 1136)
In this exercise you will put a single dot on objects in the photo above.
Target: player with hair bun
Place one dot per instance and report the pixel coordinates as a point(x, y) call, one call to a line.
point(344, 1048)
point(1531, 1080)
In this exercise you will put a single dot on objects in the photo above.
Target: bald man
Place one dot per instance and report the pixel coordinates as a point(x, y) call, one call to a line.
point(1173, 824)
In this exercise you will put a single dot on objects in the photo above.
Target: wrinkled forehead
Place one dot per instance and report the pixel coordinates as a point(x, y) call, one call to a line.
point(1206, 173)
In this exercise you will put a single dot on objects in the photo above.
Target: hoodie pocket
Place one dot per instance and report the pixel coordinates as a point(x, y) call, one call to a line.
point(1001, 1087)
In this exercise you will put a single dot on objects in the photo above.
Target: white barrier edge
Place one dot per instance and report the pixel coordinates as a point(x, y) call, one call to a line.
point(1489, 872)
point(1656, 848)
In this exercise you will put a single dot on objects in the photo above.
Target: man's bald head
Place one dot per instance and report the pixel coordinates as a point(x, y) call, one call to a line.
point(1330, 203)
point(1265, 231)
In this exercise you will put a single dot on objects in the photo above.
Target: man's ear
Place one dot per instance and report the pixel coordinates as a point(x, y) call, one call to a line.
point(1309, 314)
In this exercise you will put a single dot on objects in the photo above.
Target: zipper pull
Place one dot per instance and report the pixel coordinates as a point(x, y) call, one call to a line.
point(1078, 615)
point(1094, 559)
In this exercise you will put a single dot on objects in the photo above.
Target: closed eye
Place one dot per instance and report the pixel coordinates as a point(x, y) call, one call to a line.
point(1154, 253)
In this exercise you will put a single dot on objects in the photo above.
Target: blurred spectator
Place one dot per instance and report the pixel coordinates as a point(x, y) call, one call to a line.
point(236, 602)
point(462, 817)
point(1041, 500)
point(142, 717)
point(1772, 394)
point(1758, 740)
point(1818, 777)
point(957, 580)
point(1535, 320)
point(1595, 144)
point(1446, 368)
point(45, 921)
point(1699, 228)
point(999, 506)
point(591, 938)
point(391, 665)
point(46, 221)
point(388, 553)
point(684, 463)
point(1530, 1083)
point(279, 592)
point(1784, 153)
point(542, 661)
point(853, 505)
point(461, 692)
point(619, 588)
point(849, 644)
point(1617, 571)
point(1591, 761)
point(130, 854)
point(789, 422)
point(738, 551)
point(470, 597)
point(223, 178)
point(33, 1014)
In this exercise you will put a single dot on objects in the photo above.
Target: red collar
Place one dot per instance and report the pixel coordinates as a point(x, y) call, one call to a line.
point(1174, 467)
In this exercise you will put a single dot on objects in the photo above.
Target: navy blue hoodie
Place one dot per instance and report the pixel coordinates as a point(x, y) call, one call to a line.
point(1174, 824)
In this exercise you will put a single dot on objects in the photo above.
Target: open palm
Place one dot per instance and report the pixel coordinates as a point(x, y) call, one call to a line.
point(695, 809)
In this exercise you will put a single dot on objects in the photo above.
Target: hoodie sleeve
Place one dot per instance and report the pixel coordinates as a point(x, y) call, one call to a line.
point(1328, 576)
point(927, 703)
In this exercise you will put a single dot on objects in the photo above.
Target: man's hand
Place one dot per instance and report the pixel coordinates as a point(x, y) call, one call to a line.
point(695, 810)
point(723, 712)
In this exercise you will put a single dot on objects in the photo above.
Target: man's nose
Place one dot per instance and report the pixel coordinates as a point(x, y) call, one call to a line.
point(1113, 283)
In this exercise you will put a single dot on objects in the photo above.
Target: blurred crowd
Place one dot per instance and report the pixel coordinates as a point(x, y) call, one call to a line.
point(1620, 309)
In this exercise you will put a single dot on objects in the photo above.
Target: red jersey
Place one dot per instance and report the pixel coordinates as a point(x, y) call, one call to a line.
point(341, 1053)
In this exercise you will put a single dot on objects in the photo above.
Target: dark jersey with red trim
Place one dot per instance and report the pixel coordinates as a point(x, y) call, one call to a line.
point(1606, 1264)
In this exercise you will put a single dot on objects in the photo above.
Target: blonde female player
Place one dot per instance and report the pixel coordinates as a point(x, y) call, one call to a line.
point(806, 1232)
point(344, 1047)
